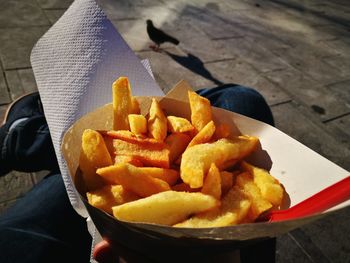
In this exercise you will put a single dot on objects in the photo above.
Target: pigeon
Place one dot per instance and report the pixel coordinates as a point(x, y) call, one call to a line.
point(158, 36)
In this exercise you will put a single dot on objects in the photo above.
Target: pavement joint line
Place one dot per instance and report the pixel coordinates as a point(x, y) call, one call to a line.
point(55, 8)
point(337, 117)
point(9, 200)
point(338, 82)
point(6, 82)
point(225, 38)
point(219, 60)
point(19, 68)
point(24, 27)
point(125, 19)
point(281, 103)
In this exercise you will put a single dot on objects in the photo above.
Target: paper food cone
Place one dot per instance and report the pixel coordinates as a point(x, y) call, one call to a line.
point(301, 171)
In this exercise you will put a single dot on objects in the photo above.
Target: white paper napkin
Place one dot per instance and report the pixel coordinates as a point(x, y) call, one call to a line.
point(75, 64)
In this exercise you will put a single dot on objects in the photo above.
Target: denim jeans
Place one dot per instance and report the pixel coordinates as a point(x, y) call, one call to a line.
point(43, 227)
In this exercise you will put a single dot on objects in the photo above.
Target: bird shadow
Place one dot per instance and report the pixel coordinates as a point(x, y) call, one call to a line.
point(194, 64)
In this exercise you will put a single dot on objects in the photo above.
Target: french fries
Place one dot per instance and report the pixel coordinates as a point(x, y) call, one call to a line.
point(165, 208)
point(94, 154)
point(173, 171)
point(197, 159)
point(133, 178)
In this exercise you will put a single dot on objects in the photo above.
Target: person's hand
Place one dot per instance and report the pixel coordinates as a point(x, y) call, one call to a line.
point(103, 253)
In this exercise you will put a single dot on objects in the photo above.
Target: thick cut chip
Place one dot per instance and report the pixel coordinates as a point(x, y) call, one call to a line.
point(200, 110)
point(259, 204)
point(226, 181)
point(128, 159)
point(269, 186)
point(131, 137)
point(178, 124)
point(177, 143)
point(94, 154)
point(151, 154)
point(122, 103)
point(204, 135)
point(131, 178)
point(222, 131)
point(157, 122)
point(168, 175)
point(212, 182)
point(110, 195)
point(196, 160)
point(165, 208)
point(234, 208)
point(138, 123)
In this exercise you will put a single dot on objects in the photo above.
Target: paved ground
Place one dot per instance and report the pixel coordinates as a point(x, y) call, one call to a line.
point(296, 53)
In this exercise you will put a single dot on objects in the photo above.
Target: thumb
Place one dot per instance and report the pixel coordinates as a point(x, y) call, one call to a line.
point(103, 253)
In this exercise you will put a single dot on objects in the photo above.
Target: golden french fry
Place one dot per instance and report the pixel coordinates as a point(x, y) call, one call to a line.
point(131, 137)
point(226, 181)
point(166, 208)
point(131, 178)
point(127, 159)
point(122, 103)
point(177, 143)
point(157, 122)
point(196, 160)
point(259, 204)
point(204, 135)
point(234, 208)
point(200, 110)
point(93, 154)
point(222, 131)
point(212, 182)
point(178, 124)
point(168, 175)
point(150, 154)
point(110, 195)
point(138, 123)
point(269, 186)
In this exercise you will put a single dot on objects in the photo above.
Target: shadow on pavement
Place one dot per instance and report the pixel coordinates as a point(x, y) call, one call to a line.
point(194, 64)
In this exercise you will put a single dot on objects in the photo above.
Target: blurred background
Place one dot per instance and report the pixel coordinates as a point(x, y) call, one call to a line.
point(296, 53)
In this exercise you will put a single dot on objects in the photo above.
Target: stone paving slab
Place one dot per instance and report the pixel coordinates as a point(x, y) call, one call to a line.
point(14, 185)
point(38, 176)
point(318, 99)
point(16, 45)
point(54, 4)
point(54, 14)
point(4, 94)
point(20, 82)
point(240, 72)
point(342, 89)
point(339, 128)
point(310, 134)
point(18, 13)
point(162, 62)
point(260, 58)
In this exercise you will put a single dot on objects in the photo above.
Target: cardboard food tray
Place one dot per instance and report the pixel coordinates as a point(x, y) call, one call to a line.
point(301, 171)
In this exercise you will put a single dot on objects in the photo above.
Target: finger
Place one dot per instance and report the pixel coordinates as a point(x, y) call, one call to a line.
point(103, 253)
